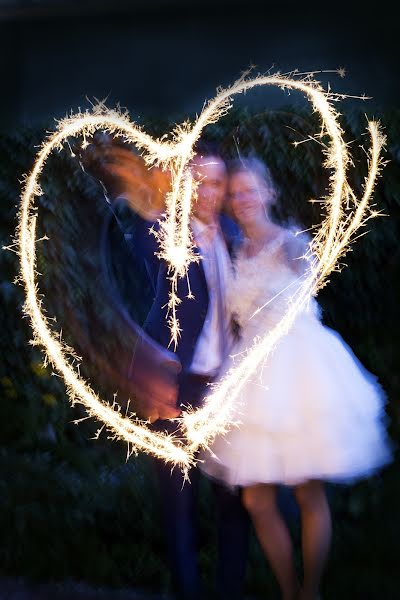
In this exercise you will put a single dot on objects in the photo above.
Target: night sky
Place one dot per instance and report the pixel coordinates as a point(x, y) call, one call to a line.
point(163, 59)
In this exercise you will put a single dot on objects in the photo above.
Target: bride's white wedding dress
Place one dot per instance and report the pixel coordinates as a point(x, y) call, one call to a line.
point(313, 411)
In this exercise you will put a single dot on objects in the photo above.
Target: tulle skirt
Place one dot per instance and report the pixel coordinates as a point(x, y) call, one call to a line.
point(312, 412)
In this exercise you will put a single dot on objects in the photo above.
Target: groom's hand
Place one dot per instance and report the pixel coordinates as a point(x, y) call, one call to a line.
point(124, 173)
point(145, 189)
point(154, 377)
point(157, 398)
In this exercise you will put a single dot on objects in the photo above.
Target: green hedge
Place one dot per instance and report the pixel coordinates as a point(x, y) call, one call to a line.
point(72, 506)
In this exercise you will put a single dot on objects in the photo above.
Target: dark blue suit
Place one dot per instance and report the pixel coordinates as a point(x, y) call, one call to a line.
point(178, 500)
point(191, 312)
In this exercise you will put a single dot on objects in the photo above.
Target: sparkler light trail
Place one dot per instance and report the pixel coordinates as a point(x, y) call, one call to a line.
point(345, 214)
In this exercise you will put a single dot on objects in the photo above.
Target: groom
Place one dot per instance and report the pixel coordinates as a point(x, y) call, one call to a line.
point(202, 347)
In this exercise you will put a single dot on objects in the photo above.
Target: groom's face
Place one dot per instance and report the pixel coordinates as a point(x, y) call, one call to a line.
point(210, 174)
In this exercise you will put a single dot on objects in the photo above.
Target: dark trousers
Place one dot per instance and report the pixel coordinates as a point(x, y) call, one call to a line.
point(179, 507)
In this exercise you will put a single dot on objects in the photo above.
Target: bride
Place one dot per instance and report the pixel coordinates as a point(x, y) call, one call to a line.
point(312, 414)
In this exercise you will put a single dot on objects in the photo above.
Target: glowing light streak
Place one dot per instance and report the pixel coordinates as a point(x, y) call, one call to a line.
point(344, 216)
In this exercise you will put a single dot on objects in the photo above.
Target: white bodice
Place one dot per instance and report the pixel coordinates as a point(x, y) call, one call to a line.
point(269, 278)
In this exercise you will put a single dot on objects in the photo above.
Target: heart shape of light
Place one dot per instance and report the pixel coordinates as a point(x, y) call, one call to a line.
point(345, 213)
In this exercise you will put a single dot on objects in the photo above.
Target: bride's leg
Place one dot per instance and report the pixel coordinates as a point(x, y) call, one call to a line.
point(316, 534)
point(273, 535)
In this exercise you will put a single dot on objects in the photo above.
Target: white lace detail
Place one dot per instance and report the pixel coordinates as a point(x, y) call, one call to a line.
point(265, 278)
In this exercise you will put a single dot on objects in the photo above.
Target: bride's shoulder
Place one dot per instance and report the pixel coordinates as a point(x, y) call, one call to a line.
point(296, 244)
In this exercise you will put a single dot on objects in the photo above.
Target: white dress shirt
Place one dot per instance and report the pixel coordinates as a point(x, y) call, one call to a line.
point(215, 339)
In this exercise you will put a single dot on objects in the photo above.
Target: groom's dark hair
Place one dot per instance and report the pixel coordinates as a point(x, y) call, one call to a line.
point(208, 148)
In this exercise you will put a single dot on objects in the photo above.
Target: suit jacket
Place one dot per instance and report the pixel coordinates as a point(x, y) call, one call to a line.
point(191, 313)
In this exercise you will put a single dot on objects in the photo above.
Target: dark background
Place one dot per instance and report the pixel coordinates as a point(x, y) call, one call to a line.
point(162, 58)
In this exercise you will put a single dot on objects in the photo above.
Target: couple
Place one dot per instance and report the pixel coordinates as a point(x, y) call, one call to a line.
point(312, 415)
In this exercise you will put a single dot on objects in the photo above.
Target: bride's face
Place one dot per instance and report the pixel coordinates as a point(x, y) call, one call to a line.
point(249, 197)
